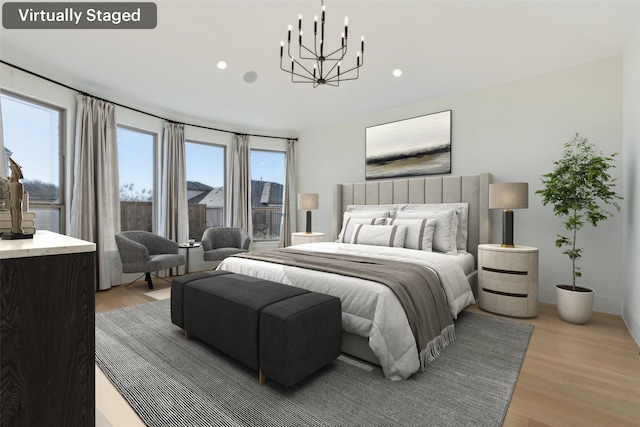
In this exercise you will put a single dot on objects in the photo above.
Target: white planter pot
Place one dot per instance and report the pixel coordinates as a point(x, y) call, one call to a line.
point(574, 306)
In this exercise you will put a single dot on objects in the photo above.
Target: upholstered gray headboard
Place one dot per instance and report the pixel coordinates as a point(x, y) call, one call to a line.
point(471, 189)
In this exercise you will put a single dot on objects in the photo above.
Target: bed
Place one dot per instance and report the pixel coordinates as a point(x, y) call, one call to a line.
point(375, 327)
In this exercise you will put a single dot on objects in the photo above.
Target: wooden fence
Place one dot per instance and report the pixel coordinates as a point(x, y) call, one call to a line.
point(139, 216)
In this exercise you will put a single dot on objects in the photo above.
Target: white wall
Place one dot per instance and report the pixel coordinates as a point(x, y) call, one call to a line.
point(514, 131)
point(631, 140)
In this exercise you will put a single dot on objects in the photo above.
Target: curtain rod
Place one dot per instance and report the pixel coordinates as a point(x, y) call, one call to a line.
point(135, 109)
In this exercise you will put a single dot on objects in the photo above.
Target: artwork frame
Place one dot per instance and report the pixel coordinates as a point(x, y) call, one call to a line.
point(415, 146)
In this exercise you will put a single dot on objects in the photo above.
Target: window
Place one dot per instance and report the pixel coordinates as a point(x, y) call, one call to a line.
point(205, 186)
point(267, 190)
point(136, 166)
point(33, 139)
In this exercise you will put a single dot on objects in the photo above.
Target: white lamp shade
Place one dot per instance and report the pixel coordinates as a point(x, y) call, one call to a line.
point(509, 195)
point(308, 201)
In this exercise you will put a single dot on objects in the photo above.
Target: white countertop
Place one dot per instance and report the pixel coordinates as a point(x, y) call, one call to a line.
point(44, 243)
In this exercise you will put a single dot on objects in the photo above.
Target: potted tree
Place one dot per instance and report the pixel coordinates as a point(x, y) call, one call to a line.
point(578, 188)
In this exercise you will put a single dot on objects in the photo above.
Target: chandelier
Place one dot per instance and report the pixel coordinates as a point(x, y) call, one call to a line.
point(313, 64)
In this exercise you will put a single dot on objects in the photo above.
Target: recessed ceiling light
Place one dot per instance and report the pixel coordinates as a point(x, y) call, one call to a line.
point(397, 72)
point(222, 65)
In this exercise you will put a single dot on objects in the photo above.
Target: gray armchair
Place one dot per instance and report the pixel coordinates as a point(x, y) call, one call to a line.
point(221, 242)
point(145, 252)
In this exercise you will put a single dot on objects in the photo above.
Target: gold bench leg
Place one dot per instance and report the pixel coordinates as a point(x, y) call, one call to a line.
point(187, 336)
point(261, 378)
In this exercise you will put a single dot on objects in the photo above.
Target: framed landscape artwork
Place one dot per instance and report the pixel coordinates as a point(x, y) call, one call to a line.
point(410, 147)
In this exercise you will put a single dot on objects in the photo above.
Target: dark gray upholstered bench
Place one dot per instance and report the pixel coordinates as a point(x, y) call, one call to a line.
point(285, 333)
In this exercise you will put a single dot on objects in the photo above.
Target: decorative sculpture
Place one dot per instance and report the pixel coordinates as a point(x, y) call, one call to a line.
point(16, 192)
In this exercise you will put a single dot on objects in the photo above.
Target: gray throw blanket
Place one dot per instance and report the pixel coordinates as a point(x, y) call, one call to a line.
point(417, 288)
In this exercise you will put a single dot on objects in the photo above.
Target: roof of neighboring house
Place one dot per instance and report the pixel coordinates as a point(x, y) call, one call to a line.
point(266, 193)
point(197, 186)
point(213, 198)
point(262, 194)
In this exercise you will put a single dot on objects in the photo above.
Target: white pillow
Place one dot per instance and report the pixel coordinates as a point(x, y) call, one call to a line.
point(350, 223)
point(445, 232)
point(379, 235)
point(419, 232)
point(462, 214)
point(371, 208)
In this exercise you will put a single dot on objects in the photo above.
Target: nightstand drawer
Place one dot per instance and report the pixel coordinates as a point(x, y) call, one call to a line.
point(511, 306)
point(505, 261)
point(504, 282)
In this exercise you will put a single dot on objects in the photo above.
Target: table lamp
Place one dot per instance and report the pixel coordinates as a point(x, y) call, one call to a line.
point(507, 196)
point(308, 202)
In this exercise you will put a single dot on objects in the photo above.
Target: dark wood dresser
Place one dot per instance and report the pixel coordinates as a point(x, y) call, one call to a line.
point(47, 331)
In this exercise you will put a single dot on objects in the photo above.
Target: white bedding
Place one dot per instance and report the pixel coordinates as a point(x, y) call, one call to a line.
point(371, 309)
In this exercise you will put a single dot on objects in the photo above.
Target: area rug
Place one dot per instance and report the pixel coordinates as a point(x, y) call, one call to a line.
point(171, 381)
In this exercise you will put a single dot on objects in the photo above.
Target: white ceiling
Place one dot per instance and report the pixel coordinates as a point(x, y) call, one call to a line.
point(443, 48)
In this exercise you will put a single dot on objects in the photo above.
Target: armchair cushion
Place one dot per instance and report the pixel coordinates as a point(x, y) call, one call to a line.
point(142, 251)
point(221, 242)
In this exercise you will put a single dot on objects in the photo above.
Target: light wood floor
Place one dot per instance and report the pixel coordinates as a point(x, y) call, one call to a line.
point(572, 375)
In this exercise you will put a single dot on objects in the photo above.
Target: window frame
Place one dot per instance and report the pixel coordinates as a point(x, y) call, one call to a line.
point(61, 205)
point(224, 172)
point(155, 196)
point(284, 178)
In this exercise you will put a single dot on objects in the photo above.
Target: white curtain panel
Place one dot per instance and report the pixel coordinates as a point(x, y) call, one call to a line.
point(289, 208)
point(174, 210)
point(3, 159)
point(95, 202)
point(240, 211)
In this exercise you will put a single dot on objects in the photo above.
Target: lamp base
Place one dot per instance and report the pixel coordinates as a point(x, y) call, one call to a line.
point(308, 230)
point(507, 229)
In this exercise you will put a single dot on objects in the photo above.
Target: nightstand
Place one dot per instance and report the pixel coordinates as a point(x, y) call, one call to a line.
point(299, 238)
point(508, 280)
point(186, 247)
